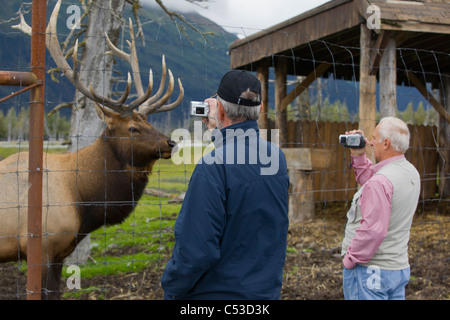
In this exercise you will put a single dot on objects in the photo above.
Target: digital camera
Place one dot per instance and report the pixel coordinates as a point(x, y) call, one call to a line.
point(356, 140)
point(199, 109)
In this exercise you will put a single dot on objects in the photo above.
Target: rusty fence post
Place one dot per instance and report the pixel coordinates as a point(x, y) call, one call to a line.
point(36, 148)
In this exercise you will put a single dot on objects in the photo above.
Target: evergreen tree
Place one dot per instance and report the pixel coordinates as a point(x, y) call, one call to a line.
point(15, 126)
point(11, 125)
point(420, 114)
point(3, 126)
point(408, 115)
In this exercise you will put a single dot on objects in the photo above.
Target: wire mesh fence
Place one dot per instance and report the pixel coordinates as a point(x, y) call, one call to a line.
point(100, 187)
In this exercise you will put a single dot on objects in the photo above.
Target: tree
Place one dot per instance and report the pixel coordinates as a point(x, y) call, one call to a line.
point(23, 124)
point(3, 126)
point(11, 120)
point(56, 127)
point(408, 115)
point(336, 111)
point(96, 68)
point(431, 117)
point(420, 114)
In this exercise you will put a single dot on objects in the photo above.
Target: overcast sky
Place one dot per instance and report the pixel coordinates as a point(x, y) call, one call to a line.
point(245, 16)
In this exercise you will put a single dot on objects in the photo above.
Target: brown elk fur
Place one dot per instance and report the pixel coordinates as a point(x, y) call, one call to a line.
point(81, 191)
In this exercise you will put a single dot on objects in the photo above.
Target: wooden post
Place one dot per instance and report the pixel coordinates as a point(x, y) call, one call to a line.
point(388, 80)
point(444, 141)
point(263, 76)
point(367, 89)
point(280, 93)
point(301, 162)
point(302, 86)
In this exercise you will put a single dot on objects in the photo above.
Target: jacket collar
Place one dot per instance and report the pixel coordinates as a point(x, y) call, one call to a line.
point(219, 137)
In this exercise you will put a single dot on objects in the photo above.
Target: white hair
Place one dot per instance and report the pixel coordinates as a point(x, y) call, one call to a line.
point(397, 131)
point(237, 112)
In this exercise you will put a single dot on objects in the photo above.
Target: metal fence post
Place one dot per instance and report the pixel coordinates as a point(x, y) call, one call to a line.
point(34, 246)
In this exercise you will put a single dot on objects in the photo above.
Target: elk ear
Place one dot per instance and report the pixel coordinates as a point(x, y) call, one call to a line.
point(104, 114)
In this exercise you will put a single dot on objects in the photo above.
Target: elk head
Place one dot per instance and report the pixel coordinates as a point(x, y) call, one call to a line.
point(127, 118)
point(144, 143)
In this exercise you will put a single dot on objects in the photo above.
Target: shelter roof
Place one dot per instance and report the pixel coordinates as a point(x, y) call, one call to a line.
point(330, 34)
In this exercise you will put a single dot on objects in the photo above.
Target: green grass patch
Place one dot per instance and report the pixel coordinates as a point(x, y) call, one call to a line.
point(76, 294)
point(145, 237)
point(7, 149)
point(110, 265)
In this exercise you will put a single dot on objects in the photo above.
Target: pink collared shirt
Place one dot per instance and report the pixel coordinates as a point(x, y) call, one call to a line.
point(375, 204)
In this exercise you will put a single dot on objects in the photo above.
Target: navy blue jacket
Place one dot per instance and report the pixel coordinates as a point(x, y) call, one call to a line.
point(232, 228)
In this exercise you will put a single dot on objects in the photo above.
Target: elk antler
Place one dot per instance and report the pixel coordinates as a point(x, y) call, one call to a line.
point(119, 104)
point(154, 104)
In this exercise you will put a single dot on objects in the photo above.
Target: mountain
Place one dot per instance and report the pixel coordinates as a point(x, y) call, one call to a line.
point(198, 61)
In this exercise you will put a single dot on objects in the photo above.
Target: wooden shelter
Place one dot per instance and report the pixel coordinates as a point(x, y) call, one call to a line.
point(385, 41)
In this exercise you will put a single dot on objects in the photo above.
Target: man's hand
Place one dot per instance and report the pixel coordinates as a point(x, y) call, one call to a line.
point(356, 151)
point(210, 120)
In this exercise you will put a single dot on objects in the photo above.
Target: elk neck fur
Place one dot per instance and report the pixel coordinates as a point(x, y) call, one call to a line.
point(112, 174)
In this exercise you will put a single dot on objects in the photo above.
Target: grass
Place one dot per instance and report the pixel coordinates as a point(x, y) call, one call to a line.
point(169, 177)
point(7, 149)
point(145, 236)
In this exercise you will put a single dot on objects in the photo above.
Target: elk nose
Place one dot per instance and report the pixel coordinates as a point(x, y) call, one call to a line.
point(171, 143)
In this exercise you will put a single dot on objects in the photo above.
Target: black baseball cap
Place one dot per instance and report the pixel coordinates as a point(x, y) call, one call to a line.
point(234, 83)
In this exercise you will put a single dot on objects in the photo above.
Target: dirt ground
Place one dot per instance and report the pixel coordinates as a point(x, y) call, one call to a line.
point(313, 269)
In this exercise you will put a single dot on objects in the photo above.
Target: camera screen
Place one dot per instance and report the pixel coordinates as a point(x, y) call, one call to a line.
point(199, 110)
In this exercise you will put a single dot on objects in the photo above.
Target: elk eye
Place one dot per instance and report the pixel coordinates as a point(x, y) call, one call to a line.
point(133, 130)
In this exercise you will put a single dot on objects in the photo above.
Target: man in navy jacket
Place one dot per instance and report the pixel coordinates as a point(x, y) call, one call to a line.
point(232, 228)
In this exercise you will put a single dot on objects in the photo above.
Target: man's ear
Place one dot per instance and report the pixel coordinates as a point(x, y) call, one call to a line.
point(387, 144)
point(221, 112)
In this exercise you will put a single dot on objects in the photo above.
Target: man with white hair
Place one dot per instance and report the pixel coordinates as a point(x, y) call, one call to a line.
point(231, 232)
point(375, 246)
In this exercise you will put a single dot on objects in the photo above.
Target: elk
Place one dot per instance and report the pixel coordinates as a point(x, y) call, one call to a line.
point(99, 184)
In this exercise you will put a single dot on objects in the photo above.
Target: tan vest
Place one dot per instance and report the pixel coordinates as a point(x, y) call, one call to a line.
point(392, 254)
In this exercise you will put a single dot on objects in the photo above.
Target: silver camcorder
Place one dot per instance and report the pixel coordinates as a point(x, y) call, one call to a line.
point(356, 140)
point(199, 109)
